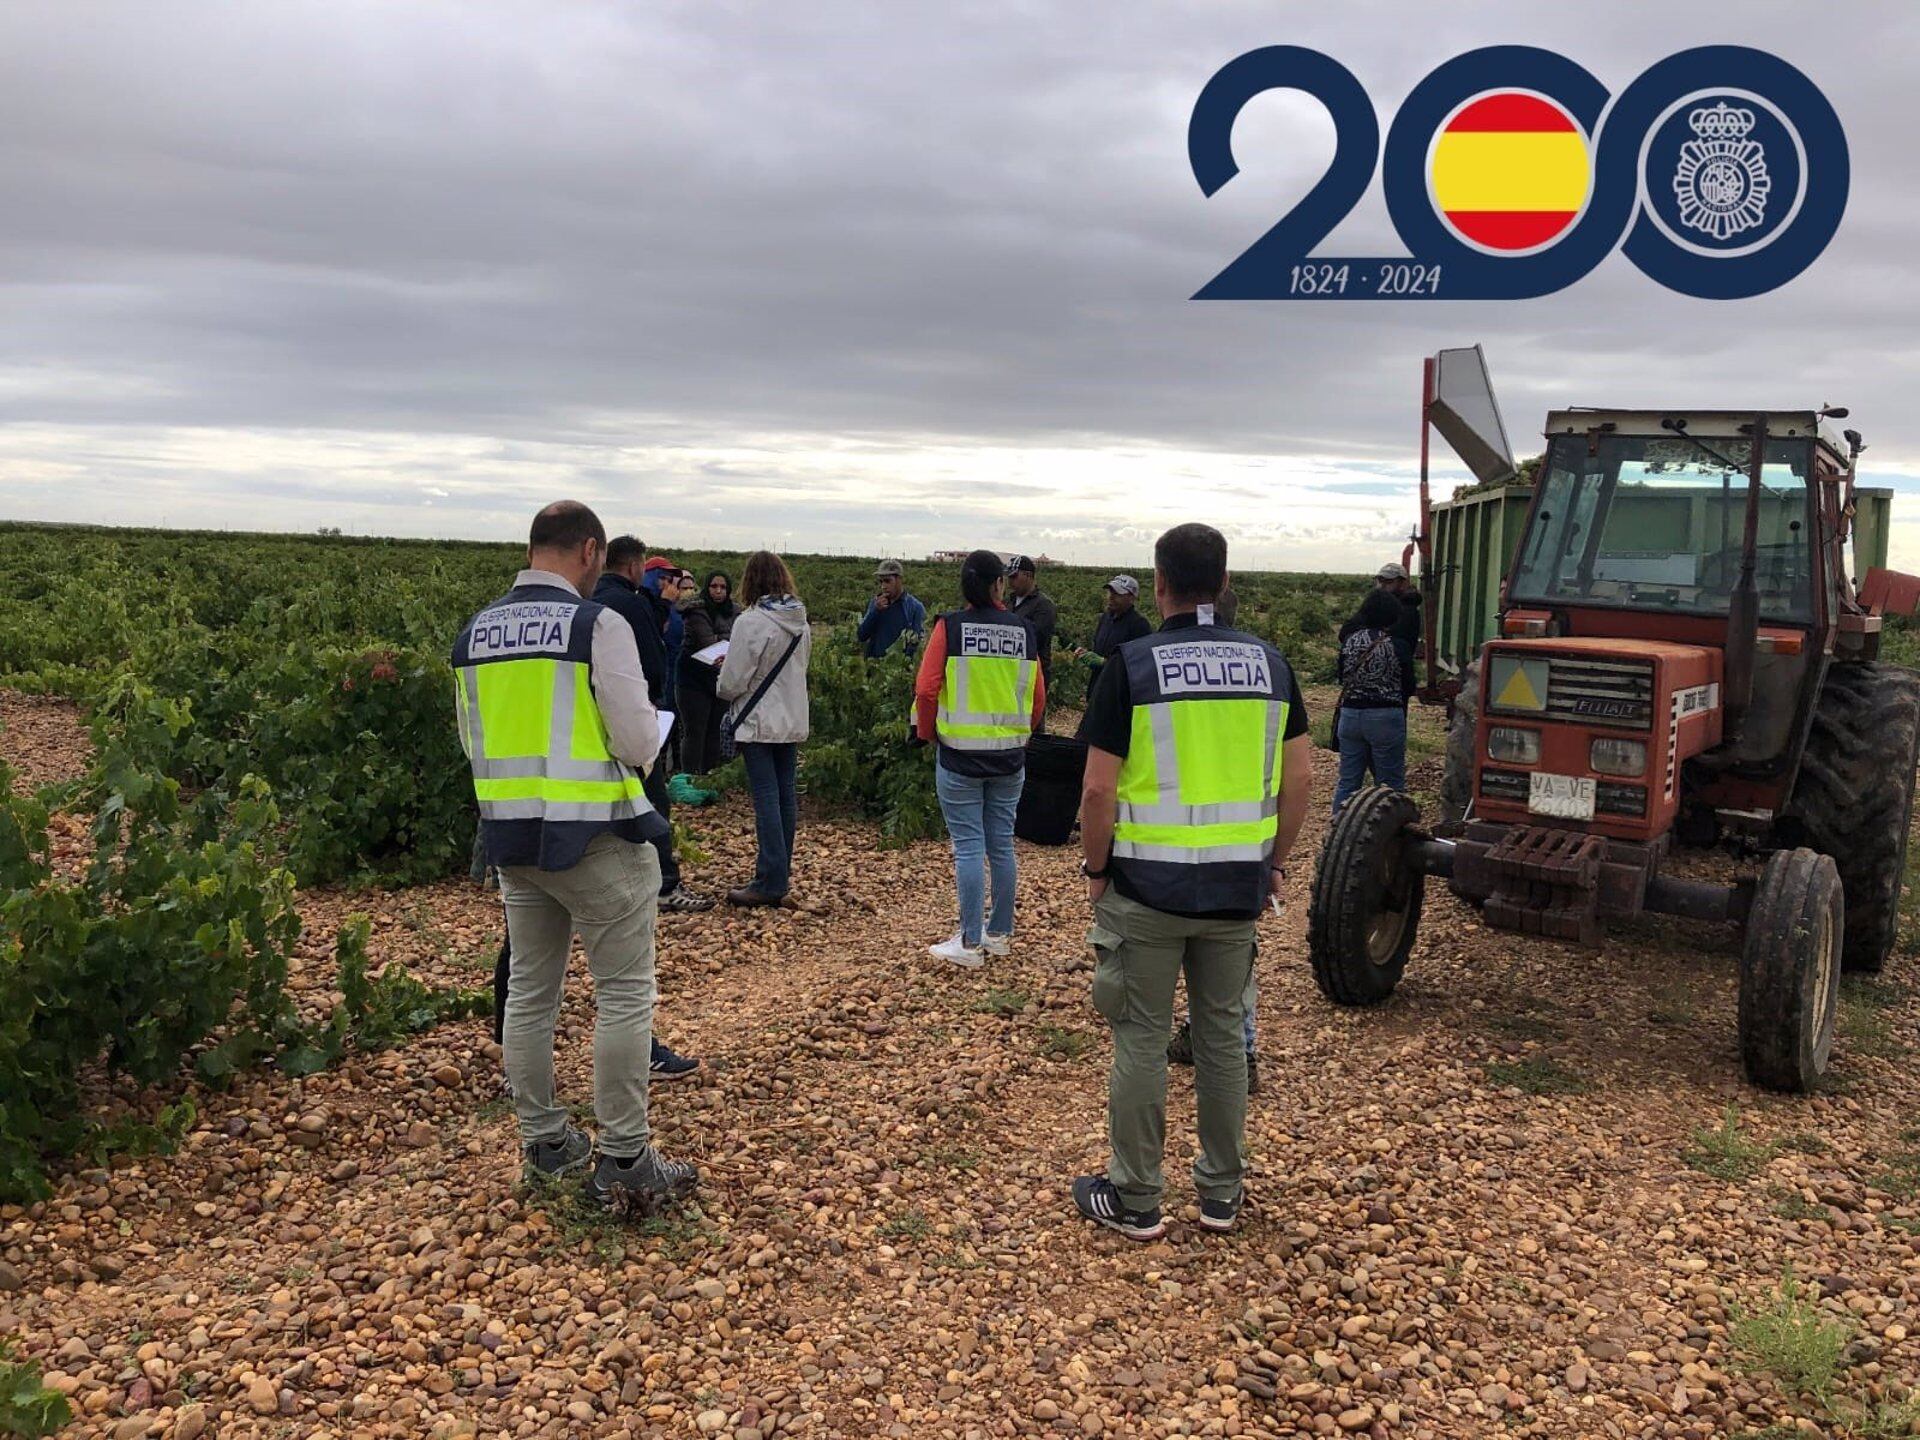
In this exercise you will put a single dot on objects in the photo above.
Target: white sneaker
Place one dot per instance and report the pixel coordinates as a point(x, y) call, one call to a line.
point(997, 945)
point(955, 953)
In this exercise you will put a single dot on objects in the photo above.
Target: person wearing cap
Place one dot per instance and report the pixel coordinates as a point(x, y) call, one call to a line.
point(891, 613)
point(625, 589)
point(1026, 599)
point(1392, 577)
point(1120, 622)
point(662, 579)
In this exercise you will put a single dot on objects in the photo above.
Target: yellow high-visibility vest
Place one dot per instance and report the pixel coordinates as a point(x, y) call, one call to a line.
point(1198, 801)
point(532, 731)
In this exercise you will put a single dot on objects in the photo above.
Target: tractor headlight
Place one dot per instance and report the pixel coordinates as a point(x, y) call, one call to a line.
point(1619, 757)
point(1513, 745)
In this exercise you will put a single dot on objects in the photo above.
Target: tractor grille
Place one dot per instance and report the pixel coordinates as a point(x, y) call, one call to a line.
point(1601, 692)
point(1505, 784)
point(1612, 799)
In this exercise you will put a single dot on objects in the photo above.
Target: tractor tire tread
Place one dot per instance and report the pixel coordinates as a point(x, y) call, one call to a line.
point(1793, 890)
point(1346, 892)
point(1865, 732)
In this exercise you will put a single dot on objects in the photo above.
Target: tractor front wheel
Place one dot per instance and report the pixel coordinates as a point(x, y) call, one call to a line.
point(1365, 910)
point(1790, 971)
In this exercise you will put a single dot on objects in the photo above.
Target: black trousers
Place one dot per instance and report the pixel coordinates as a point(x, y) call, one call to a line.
point(655, 785)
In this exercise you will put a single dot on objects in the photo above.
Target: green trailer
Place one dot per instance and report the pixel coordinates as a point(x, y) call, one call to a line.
point(1471, 550)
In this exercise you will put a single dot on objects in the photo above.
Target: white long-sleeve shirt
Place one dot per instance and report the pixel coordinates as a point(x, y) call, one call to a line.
point(619, 687)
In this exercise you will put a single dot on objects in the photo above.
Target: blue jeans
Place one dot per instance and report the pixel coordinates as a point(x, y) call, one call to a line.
point(1371, 740)
point(776, 812)
point(979, 813)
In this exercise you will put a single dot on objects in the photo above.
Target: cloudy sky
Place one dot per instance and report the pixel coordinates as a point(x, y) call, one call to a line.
point(871, 277)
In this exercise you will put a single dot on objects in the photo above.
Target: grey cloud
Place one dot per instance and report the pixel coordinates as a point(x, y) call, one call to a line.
point(568, 230)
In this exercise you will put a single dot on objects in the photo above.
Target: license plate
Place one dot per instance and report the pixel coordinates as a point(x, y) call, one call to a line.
point(1564, 797)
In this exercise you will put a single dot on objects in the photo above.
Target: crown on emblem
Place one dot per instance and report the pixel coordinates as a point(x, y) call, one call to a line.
point(1722, 122)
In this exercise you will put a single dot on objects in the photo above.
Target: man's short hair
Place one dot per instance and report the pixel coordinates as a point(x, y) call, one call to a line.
point(623, 550)
point(564, 525)
point(1192, 559)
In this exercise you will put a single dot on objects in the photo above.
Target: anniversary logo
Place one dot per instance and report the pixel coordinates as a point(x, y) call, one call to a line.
point(1510, 172)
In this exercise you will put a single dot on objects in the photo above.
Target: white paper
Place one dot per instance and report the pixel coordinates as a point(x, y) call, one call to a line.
point(666, 726)
point(713, 654)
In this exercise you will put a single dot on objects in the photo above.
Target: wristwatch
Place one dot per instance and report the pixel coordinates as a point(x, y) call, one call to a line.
point(1099, 874)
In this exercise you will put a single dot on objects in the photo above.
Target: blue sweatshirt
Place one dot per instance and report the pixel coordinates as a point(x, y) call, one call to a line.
point(880, 628)
point(674, 634)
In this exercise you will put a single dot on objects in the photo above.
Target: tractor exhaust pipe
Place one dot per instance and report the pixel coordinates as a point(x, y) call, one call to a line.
point(1743, 606)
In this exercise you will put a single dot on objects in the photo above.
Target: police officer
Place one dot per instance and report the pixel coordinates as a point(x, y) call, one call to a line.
point(1198, 768)
point(555, 719)
point(980, 693)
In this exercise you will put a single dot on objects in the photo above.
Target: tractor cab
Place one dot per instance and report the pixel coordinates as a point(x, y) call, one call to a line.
point(1679, 656)
point(1621, 617)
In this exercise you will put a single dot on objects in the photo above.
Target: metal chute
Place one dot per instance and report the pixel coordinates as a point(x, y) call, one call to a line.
point(1462, 408)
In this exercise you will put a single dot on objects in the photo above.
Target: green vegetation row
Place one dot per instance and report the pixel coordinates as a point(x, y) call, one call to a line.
point(170, 943)
point(318, 664)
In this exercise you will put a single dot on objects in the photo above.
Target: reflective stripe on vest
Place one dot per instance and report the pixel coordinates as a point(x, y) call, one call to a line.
point(537, 743)
point(986, 700)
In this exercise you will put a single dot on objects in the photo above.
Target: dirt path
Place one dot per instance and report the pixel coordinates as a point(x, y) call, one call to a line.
point(1472, 1213)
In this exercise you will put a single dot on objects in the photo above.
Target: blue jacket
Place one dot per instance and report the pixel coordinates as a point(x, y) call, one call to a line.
point(880, 628)
point(641, 610)
point(675, 634)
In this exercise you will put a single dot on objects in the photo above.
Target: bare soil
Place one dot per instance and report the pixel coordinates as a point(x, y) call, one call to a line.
point(1478, 1210)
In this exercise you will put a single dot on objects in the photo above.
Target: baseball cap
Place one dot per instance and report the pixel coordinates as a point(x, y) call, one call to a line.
point(1124, 585)
point(1019, 563)
point(887, 568)
point(660, 562)
point(1392, 570)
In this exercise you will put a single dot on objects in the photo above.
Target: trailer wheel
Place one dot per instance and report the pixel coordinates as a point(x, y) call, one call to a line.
point(1456, 779)
point(1853, 799)
point(1790, 971)
point(1365, 910)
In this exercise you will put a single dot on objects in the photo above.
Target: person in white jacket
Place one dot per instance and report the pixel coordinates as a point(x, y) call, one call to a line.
point(764, 683)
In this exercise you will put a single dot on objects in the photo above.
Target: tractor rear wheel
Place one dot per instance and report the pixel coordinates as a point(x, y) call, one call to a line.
point(1853, 799)
point(1456, 780)
point(1790, 971)
point(1365, 910)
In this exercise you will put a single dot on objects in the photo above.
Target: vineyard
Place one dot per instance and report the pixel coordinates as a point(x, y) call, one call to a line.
point(274, 711)
point(257, 1179)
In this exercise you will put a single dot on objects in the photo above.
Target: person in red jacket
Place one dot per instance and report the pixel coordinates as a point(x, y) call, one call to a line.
point(979, 695)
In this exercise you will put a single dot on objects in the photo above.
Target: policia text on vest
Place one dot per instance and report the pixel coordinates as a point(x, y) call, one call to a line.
point(985, 712)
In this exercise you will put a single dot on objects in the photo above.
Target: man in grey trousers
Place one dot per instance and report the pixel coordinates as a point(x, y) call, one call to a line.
point(557, 724)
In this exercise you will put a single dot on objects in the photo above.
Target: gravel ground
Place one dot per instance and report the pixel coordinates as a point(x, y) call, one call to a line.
point(1476, 1211)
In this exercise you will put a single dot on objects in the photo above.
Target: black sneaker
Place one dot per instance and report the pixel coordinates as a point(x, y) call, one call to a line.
point(1220, 1214)
point(565, 1156)
point(1253, 1073)
point(670, 1065)
point(683, 901)
point(640, 1185)
point(1095, 1198)
point(1180, 1048)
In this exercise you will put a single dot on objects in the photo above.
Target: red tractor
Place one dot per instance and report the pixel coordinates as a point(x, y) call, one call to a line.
point(1681, 660)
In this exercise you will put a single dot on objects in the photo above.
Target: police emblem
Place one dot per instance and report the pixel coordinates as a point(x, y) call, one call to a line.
point(1721, 182)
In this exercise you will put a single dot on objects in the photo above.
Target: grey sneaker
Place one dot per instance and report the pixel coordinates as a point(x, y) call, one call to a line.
point(555, 1158)
point(640, 1185)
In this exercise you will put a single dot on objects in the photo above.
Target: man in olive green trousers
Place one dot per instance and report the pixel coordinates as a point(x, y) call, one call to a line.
point(1198, 771)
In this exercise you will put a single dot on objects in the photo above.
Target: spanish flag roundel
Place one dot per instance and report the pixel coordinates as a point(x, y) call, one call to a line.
point(1510, 171)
